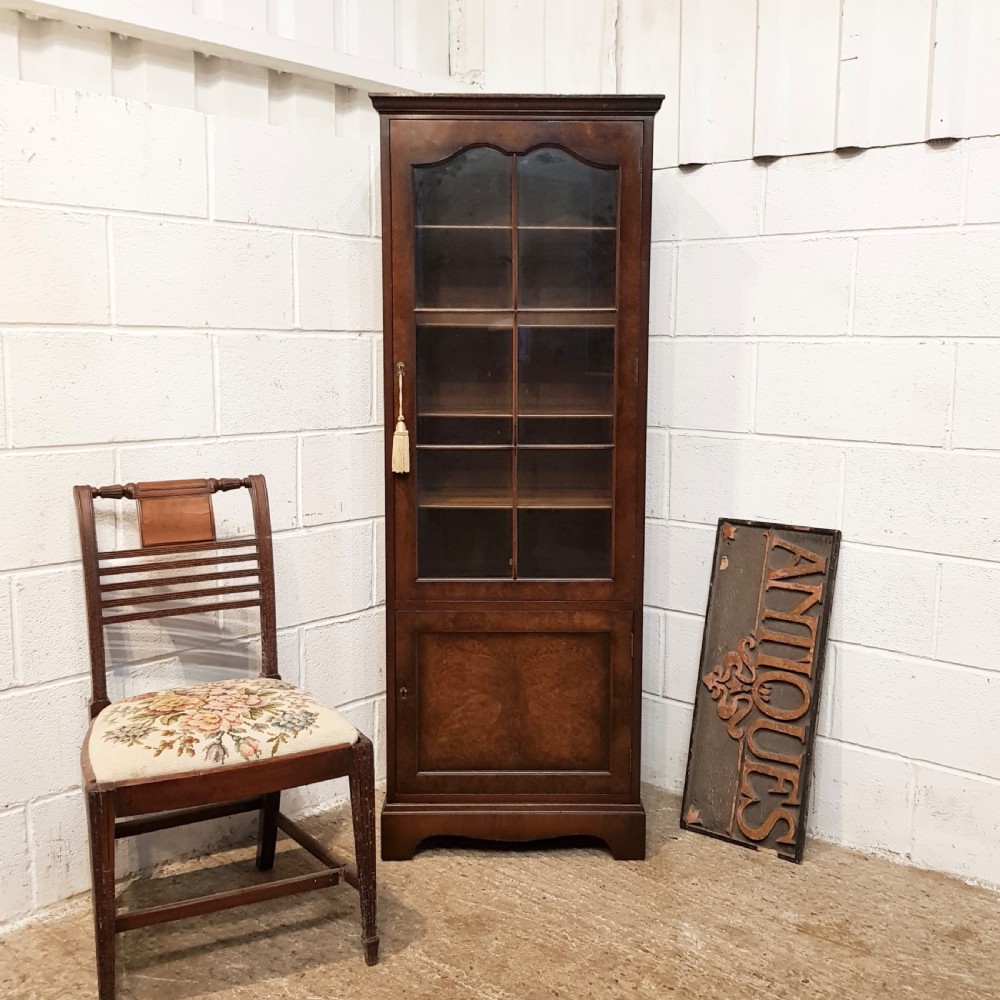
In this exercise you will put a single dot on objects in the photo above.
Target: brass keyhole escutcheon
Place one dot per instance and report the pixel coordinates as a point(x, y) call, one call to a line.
point(403, 693)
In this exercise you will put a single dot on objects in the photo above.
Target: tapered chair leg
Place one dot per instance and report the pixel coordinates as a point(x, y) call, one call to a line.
point(101, 818)
point(362, 780)
point(267, 831)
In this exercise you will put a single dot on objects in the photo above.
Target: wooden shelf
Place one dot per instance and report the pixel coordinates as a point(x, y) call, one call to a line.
point(583, 446)
point(463, 414)
point(464, 500)
point(563, 502)
point(508, 227)
point(577, 413)
point(552, 501)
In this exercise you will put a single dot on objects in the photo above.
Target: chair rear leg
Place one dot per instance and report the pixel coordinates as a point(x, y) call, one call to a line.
point(101, 819)
point(362, 780)
point(267, 831)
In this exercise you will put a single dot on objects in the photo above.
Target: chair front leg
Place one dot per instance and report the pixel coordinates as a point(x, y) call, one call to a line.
point(362, 779)
point(267, 831)
point(101, 819)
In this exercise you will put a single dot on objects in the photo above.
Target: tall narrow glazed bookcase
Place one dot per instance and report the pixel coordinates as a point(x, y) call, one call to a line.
point(516, 284)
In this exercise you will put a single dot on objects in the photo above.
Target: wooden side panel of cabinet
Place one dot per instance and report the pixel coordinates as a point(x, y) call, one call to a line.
point(516, 287)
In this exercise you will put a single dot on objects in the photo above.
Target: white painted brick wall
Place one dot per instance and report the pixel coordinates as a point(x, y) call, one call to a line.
point(752, 477)
point(299, 178)
point(938, 501)
point(54, 267)
point(97, 379)
point(718, 199)
point(955, 817)
point(340, 283)
point(929, 284)
point(824, 192)
point(134, 231)
point(343, 476)
point(869, 578)
point(781, 287)
point(898, 392)
point(825, 354)
point(323, 665)
point(976, 421)
point(186, 274)
point(983, 196)
point(155, 267)
point(270, 383)
point(7, 677)
point(69, 148)
point(969, 614)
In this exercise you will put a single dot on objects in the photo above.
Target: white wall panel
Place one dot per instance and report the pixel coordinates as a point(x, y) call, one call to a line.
point(154, 73)
point(66, 56)
point(797, 49)
point(298, 102)
point(421, 35)
point(718, 58)
point(649, 62)
point(885, 56)
point(250, 14)
point(579, 47)
point(514, 57)
point(304, 20)
point(467, 39)
point(356, 118)
point(365, 28)
point(223, 87)
point(9, 21)
point(965, 89)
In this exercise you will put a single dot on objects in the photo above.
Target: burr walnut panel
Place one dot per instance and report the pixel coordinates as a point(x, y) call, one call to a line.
point(531, 701)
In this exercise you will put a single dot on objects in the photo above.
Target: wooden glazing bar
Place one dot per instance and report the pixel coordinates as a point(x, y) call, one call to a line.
point(219, 543)
point(152, 567)
point(309, 843)
point(169, 581)
point(189, 609)
point(181, 817)
point(225, 900)
point(184, 595)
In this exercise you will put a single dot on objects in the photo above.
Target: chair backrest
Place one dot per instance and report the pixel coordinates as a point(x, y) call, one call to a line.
point(180, 567)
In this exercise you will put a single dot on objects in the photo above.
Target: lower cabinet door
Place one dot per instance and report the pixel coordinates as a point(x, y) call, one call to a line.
point(514, 703)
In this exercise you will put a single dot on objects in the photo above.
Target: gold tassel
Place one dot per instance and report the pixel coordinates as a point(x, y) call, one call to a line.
point(401, 439)
point(401, 448)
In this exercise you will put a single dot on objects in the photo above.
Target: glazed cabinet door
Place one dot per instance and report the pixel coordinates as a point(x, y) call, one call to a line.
point(515, 257)
point(499, 703)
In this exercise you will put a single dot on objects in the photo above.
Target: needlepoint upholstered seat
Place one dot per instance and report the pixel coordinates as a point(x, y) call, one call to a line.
point(210, 725)
point(166, 758)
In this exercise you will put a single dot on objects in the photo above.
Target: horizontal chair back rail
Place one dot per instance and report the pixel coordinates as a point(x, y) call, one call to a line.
point(181, 567)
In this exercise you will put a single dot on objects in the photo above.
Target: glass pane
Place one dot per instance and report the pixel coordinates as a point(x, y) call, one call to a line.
point(565, 430)
point(464, 430)
point(459, 542)
point(565, 268)
point(464, 477)
point(564, 477)
point(463, 370)
point(470, 189)
point(556, 189)
point(565, 370)
point(563, 544)
point(462, 268)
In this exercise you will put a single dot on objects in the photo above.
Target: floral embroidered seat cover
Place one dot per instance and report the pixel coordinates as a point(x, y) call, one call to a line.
point(210, 725)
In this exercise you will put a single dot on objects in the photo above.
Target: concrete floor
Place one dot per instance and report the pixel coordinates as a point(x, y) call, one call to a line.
point(698, 919)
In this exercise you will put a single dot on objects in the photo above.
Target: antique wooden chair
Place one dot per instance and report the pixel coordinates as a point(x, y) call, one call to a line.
point(207, 750)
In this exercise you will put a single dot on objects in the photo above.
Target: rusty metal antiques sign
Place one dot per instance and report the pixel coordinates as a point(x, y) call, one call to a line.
point(759, 684)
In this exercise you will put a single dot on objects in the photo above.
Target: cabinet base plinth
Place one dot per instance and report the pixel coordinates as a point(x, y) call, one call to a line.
point(621, 826)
